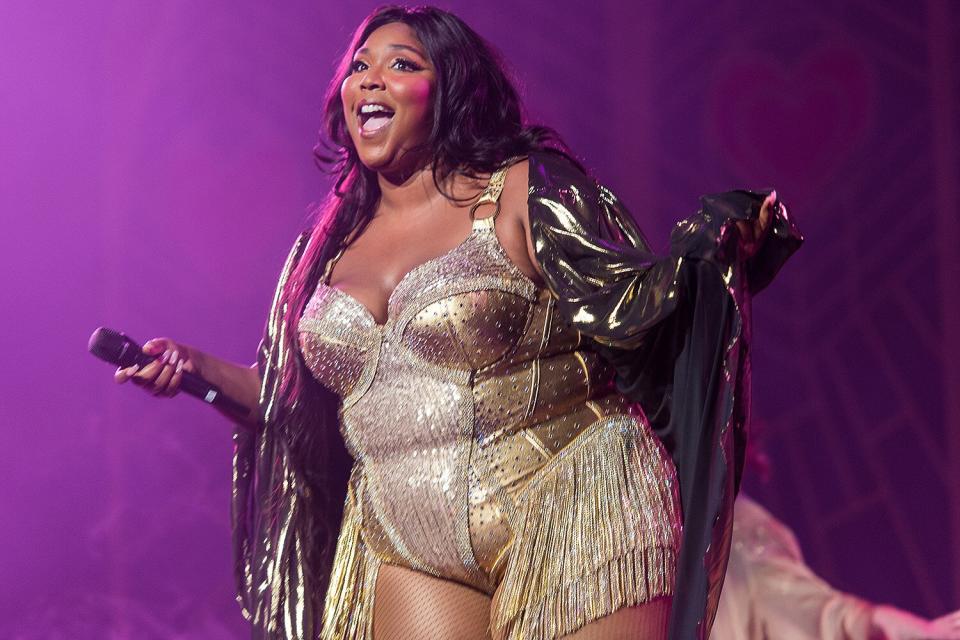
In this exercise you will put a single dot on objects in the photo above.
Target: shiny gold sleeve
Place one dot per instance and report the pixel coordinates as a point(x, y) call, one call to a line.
point(268, 509)
point(600, 266)
point(676, 328)
point(594, 259)
point(258, 464)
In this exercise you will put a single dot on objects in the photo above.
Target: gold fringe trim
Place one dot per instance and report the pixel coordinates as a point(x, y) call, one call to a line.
point(596, 530)
point(348, 607)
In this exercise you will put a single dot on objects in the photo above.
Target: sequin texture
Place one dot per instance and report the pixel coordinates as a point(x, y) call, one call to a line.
point(556, 473)
point(473, 414)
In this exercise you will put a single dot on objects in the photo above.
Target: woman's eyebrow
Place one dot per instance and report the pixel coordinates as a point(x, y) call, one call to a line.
point(405, 47)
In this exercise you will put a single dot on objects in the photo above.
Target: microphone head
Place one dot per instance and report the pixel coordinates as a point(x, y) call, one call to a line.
point(114, 347)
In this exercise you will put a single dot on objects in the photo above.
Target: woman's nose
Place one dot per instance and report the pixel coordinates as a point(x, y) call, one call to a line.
point(371, 80)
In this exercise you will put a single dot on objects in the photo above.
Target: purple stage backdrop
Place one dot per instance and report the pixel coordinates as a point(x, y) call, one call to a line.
point(156, 164)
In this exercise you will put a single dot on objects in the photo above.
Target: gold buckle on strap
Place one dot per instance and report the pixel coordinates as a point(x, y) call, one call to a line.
point(491, 194)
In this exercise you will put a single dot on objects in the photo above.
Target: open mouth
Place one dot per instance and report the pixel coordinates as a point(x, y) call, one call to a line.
point(374, 117)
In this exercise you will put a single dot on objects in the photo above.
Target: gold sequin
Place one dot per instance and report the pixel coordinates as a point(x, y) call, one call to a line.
point(470, 414)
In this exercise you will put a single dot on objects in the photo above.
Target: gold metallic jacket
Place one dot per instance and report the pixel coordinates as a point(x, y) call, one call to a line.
point(676, 328)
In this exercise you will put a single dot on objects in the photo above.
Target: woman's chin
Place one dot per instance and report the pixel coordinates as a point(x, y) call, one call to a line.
point(377, 164)
point(389, 162)
point(374, 157)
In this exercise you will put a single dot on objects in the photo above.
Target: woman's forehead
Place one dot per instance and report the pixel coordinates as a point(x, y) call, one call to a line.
point(395, 35)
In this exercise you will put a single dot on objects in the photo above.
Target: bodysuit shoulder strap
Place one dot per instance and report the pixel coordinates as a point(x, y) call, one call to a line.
point(491, 194)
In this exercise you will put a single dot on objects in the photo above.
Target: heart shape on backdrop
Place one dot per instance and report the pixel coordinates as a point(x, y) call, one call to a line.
point(793, 125)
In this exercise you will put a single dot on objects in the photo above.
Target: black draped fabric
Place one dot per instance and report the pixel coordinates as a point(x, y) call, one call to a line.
point(677, 330)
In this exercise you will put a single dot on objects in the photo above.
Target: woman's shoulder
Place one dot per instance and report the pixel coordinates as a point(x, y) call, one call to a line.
point(561, 194)
point(549, 169)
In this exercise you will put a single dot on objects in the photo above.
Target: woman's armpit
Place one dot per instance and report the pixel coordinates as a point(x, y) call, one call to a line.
point(513, 229)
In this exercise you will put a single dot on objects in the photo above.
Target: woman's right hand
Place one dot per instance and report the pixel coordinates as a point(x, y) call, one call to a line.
point(753, 233)
point(161, 377)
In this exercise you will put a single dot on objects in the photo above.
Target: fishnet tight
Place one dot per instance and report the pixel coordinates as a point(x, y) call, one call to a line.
point(409, 605)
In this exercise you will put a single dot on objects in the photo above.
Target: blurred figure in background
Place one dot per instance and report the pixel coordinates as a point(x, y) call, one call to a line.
point(770, 593)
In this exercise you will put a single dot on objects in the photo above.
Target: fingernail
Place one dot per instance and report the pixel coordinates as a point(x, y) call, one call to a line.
point(180, 366)
point(133, 370)
point(165, 357)
point(174, 356)
point(773, 194)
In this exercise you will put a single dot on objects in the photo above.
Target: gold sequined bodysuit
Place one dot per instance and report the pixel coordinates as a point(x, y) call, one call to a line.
point(490, 448)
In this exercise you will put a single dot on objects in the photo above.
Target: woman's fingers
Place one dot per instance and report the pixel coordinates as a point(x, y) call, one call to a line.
point(753, 232)
point(181, 365)
point(148, 373)
point(156, 346)
point(173, 387)
point(122, 375)
point(766, 213)
point(188, 365)
point(163, 375)
point(162, 380)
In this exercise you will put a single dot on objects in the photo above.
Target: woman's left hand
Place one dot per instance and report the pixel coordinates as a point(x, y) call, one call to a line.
point(753, 232)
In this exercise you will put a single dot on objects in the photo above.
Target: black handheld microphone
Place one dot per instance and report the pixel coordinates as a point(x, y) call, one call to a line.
point(117, 348)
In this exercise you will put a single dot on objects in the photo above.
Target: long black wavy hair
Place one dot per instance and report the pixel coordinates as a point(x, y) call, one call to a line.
point(478, 125)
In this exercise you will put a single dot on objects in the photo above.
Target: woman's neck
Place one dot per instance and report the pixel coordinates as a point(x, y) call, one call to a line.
point(412, 193)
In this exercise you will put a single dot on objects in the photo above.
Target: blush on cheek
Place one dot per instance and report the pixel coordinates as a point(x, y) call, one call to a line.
point(418, 93)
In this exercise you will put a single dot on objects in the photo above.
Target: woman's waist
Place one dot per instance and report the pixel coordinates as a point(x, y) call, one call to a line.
point(513, 455)
point(405, 407)
point(379, 434)
point(561, 390)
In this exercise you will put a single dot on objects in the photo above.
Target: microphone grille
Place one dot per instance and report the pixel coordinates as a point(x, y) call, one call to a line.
point(113, 346)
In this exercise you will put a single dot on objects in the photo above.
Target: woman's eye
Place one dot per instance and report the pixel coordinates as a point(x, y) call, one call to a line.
point(357, 65)
point(406, 65)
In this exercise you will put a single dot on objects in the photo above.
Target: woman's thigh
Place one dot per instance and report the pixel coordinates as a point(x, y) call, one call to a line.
point(410, 605)
point(646, 621)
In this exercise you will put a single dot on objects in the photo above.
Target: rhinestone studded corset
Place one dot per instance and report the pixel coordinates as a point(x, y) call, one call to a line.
point(452, 406)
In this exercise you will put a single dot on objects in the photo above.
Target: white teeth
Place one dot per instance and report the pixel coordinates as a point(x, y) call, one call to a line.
point(374, 117)
point(373, 108)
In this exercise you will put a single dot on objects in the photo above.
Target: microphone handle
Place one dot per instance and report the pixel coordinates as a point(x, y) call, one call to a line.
point(197, 387)
point(211, 394)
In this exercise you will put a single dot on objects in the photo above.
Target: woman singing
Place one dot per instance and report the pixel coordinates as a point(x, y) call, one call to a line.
point(527, 424)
